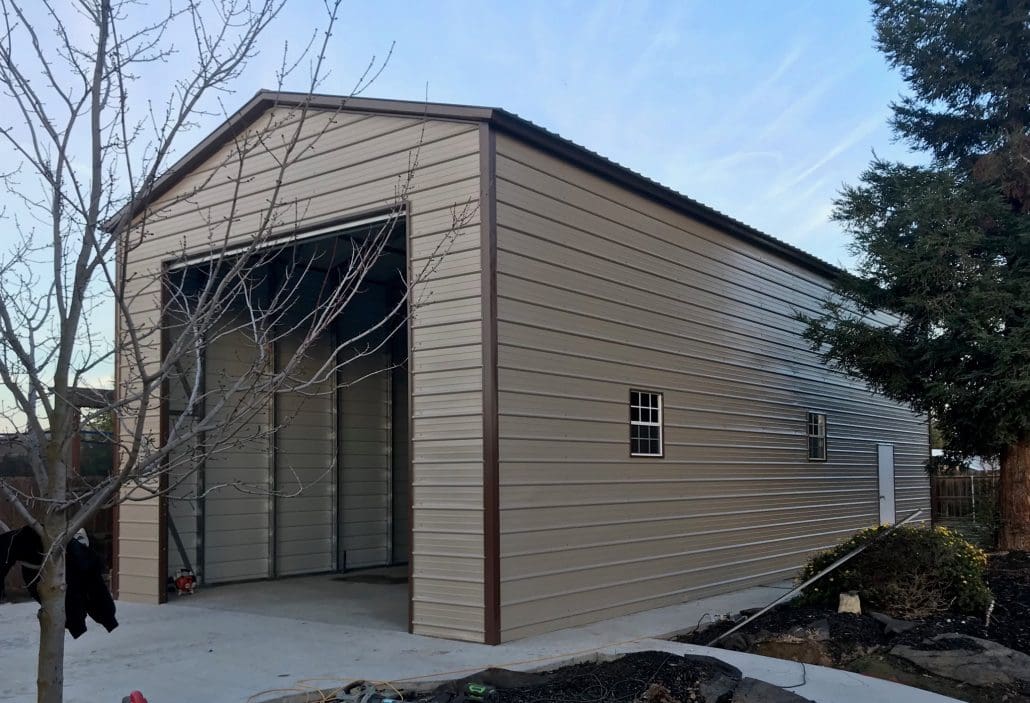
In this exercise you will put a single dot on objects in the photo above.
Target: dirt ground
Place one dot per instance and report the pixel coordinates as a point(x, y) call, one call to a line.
point(1009, 578)
point(861, 644)
point(642, 677)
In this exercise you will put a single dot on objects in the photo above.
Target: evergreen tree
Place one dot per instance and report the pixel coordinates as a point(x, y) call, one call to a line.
point(936, 312)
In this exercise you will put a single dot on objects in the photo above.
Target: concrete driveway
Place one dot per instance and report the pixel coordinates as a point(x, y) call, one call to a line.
point(258, 642)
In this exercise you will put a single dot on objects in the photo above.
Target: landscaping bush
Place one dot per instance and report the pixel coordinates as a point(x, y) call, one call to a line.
point(914, 572)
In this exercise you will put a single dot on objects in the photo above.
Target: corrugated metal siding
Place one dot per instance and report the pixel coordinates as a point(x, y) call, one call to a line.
point(139, 543)
point(236, 504)
point(600, 291)
point(401, 456)
point(354, 168)
point(305, 469)
point(365, 412)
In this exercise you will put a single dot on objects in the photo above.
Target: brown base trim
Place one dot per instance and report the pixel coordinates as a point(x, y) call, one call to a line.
point(491, 475)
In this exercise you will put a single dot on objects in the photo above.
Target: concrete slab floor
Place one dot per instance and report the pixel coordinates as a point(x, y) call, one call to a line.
point(372, 598)
point(202, 651)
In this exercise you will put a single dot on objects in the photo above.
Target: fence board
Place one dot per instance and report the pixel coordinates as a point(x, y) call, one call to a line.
point(966, 503)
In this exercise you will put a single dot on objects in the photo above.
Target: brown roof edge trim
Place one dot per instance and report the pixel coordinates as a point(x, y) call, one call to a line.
point(195, 156)
point(381, 106)
point(503, 120)
point(620, 175)
point(265, 99)
point(491, 459)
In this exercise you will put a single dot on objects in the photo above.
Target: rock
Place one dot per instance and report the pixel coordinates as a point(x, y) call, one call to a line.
point(893, 626)
point(657, 693)
point(806, 652)
point(971, 660)
point(737, 642)
point(818, 631)
point(849, 603)
point(755, 691)
point(718, 686)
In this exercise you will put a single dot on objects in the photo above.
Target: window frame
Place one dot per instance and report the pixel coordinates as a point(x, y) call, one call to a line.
point(821, 434)
point(660, 423)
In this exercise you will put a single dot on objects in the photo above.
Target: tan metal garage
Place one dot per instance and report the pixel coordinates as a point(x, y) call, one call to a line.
point(603, 403)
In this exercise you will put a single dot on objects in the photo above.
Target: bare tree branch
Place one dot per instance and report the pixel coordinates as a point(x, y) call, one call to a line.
point(84, 209)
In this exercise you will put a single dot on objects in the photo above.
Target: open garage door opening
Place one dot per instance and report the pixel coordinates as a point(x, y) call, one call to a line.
point(313, 479)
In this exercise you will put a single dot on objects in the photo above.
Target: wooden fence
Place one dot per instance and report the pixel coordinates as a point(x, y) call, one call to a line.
point(956, 496)
point(966, 503)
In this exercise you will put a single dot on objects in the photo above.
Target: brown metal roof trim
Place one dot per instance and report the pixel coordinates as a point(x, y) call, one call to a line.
point(502, 120)
point(491, 442)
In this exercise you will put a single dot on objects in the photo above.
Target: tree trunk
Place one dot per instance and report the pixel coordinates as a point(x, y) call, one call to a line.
point(1014, 497)
point(50, 667)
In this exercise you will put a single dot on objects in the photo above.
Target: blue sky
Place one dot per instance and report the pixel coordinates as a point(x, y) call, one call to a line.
point(762, 110)
point(759, 109)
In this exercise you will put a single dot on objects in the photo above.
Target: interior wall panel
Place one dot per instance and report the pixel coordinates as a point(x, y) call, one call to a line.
point(236, 473)
point(305, 464)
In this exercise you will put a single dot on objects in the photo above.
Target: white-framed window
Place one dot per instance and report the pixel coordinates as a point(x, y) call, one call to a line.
point(816, 436)
point(645, 423)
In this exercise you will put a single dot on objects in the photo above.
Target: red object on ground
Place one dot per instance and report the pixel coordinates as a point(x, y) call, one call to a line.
point(137, 697)
point(185, 582)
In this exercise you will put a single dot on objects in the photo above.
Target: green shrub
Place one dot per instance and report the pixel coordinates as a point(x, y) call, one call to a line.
point(912, 573)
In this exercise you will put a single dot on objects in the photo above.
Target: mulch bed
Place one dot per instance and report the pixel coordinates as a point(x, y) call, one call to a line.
point(848, 633)
point(625, 679)
point(1009, 579)
point(859, 643)
point(658, 677)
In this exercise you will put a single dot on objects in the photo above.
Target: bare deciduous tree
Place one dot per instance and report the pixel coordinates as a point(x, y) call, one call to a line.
point(82, 201)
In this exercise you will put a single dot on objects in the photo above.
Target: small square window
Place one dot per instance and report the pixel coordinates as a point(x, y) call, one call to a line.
point(645, 423)
point(816, 436)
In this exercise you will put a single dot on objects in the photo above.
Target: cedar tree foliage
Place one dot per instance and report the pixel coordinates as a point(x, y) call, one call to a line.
point(935, 314)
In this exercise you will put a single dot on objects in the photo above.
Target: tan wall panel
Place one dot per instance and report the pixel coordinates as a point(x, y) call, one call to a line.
point(600, 291)
point(303, 207)
point(137, 589)
point(442, 157)
point(366, 142)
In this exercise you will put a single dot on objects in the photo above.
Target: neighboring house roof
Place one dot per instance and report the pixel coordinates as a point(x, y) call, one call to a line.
point(82, 397)
point(502, 120)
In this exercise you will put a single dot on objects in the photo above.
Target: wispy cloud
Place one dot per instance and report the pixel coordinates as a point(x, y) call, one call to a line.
point(786, 63)
point(859, 132)
point(804, 104)
point(817, 219)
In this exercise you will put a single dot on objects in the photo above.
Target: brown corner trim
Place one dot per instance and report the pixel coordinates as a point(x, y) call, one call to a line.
point(411, 429)
point(491, 471)
point(162, 499)
point(116, 515)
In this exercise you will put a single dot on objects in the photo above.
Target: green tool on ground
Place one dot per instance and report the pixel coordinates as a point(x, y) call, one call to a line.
point(480, 693)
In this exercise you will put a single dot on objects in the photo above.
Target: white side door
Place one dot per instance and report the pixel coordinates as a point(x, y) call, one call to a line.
point(885, 471)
